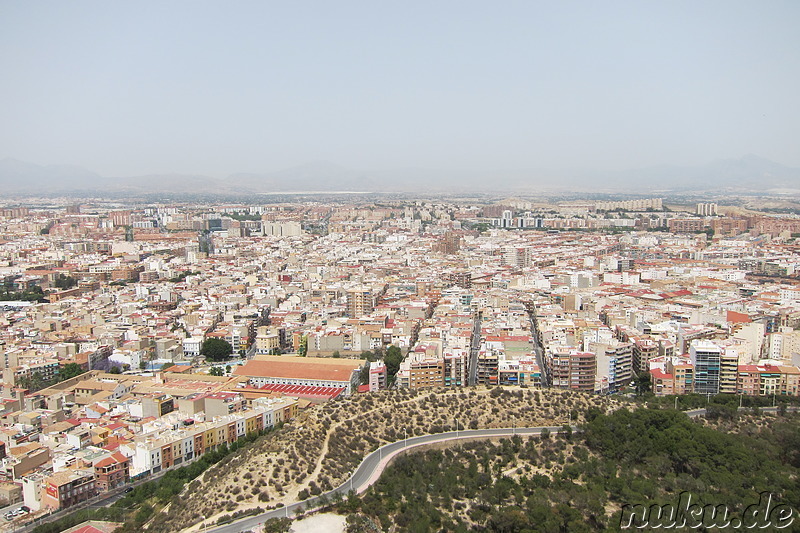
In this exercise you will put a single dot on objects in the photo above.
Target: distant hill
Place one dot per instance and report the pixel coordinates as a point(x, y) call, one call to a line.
point(748, 173)
point(21, 177)
point(316, 176)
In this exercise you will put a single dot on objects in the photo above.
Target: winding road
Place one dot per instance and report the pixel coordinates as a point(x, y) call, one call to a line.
point(376, 462)
point(371, 469)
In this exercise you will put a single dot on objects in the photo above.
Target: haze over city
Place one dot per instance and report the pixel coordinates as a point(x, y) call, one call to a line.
point(358, 267)
point(421, 91)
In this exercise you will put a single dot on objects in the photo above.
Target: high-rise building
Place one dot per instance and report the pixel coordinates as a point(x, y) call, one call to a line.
point(507, 219)
point(487, 364)
point(643, 351)
point(706, 358)
point(614, 361)
point(643, 204)
point(461, 279)
point(282, 229)
point(728, 368)
point(683, 374)
point(455, 368)
point(450, 243)
point(706, 209)
point(687, 225)
point(359, 302)
point(573, 370)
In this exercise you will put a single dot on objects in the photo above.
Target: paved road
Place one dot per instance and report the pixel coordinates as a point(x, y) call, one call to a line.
point(373, 465)
point(370, 469)
point(538, 349)
point(101, 500)
point(692, 413)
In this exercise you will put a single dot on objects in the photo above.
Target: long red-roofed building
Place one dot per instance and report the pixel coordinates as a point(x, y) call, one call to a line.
point(310, 371)
point(307, 392)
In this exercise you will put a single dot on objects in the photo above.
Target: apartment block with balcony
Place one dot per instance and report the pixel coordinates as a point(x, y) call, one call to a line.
point(573, 370)
point(767, 380)
point(360, 302)
point(705, 357)
point(663, 384)
point(377, 376)
point(643, 351)
point(487, 367)
point(112, 471)
point(683, 374)
point(64, 489)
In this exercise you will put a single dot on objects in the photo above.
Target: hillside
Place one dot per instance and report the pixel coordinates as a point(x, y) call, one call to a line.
point(743, 174)
point(581, 483)
point(319, 449)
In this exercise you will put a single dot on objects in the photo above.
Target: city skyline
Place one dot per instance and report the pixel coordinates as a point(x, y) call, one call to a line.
point(747, 175)
point(290, 348)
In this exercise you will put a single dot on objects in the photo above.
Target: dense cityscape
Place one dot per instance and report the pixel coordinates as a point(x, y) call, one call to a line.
point(140, 338)
point(399, 267)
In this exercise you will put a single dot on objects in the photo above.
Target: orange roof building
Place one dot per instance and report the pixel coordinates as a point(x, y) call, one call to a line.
point(311, 371)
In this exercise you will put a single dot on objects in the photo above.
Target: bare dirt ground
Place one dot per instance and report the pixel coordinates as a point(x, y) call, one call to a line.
point(320, 523)
point(320, 448)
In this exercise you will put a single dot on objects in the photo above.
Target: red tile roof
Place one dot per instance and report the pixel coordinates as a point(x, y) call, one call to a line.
point(300, 368)
point(305, 391)
point(733, 316)
point(658, 374)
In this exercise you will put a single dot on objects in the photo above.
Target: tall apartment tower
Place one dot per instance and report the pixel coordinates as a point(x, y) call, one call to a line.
point(706, 209)
point(359, 302)
point(461, 279)
point(507, 219)
point(706, 358)
point(573, 370)
point(451, 243)
point(728, 371)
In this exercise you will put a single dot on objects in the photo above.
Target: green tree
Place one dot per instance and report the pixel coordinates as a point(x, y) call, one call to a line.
point(216, 349)
point(216, 371)
point(115, 370)
point(65, 282)
point(363, 374)
point(643, 383)
point(277, 525)
point(393, 358)
point(70, 370)
point(38, 382)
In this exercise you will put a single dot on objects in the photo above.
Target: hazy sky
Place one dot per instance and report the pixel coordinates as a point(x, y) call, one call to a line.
point(126, 88)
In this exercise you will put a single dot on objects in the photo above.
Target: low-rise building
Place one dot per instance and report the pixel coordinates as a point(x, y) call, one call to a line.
point(112, 471)
point(313, 371)
point(64, 489)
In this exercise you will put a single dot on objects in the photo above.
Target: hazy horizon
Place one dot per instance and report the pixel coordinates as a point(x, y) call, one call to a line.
point(215, 89)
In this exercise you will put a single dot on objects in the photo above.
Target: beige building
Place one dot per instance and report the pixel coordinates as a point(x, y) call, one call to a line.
point(67, 488)
point(360, 302)
point(292, 370)
point(10, 493)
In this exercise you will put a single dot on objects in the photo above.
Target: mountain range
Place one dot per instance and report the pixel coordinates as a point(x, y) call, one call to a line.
point(746, 174)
